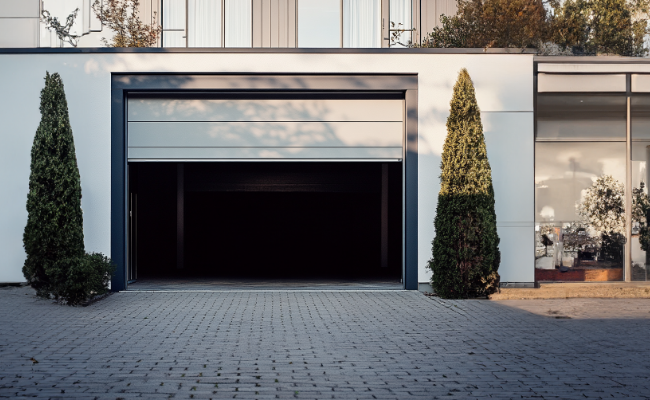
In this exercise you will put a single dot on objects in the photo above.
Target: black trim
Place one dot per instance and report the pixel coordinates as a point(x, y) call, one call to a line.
point(119, 218)
point(123, 85)
point(411, 192)
point(273, 95)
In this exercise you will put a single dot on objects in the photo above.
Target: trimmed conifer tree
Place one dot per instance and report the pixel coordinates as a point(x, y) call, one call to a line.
point(466, 253)
point(53, 237)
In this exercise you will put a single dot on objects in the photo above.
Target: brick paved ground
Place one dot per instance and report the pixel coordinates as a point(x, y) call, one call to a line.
point(312, 345)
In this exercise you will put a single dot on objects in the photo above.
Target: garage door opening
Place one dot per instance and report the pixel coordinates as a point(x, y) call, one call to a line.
point(266, 220)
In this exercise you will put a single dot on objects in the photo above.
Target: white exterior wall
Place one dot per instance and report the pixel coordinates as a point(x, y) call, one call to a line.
point(504, 88)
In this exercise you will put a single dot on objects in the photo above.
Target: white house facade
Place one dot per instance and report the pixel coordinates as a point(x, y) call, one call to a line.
point(247, 149)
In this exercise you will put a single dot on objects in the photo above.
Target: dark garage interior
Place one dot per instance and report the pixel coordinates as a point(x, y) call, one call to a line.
point(266, 220)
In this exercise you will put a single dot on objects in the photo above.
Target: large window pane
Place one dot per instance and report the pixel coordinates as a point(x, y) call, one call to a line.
point(361, 23)
point(640, 163)
point(401, 21)
point(173, 23)
point(582, 117)
point(579, 211)
point(640, 157)
point(204, 23)
point(319, 23)
point(238, 20)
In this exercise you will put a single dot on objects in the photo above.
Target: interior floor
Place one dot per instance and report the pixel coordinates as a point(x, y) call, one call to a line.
point(265, 222)
point(224, 284)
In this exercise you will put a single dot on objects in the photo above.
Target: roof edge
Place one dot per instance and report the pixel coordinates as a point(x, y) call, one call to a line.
point(158, 50)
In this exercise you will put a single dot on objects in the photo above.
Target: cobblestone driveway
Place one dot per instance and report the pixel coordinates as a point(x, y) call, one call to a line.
point(312, 345)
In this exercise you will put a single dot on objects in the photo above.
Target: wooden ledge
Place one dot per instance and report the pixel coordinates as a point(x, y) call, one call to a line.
point(562, 290)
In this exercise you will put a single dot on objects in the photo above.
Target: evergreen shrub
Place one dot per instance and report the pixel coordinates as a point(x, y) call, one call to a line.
point(87, 277)
point(466, 253)
point(56, 264)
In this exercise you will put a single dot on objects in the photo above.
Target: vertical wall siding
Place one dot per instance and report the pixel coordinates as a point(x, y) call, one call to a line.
point(274, 23)
point(430, 12)
point(19, 23)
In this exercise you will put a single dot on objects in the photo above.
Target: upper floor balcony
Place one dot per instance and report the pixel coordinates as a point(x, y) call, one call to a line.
point(236, 23)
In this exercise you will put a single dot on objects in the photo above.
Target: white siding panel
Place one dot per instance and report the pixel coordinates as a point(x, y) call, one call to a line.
point(265, 134)
point(580, 83)
point(265, 110)
point(265, 153)
point(622, 66)
point(18, 32)
point(641, 83)
point(19, 8)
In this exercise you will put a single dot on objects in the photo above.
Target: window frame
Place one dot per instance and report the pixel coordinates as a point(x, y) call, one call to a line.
point(186, 30)
point(413, 29)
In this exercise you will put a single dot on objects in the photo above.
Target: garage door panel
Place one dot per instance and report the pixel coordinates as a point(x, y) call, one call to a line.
point(237, 153)
point(264, 110)
point(268, 134)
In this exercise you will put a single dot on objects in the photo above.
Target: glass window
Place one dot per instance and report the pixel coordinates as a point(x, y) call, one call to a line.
point(401, 21)
point(319, 23)
point(640, 121)
point(204, 23)
point(238, 23)
point(583, 117)
point(640, 210)
point(173, 23)
point(579, 211)
point(361, 23)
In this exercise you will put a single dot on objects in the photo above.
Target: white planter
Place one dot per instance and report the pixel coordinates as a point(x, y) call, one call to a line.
point(545, 263)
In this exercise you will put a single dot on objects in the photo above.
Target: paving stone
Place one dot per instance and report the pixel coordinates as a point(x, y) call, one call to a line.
point(316, 345)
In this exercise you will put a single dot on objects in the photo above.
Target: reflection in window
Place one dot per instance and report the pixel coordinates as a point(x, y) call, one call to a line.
point(640, 240)
point(640, 211)
point(582, 117)
point(361, 23)
point(204, 23)
point(319, 23)
point(401, 21)
point(239, 23)
point(579, 211)
point(173, 23)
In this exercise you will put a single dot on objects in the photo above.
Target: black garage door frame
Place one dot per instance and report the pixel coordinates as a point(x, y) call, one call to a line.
point(124, 83)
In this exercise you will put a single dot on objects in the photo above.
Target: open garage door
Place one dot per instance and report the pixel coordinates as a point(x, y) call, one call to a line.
point(210, 197)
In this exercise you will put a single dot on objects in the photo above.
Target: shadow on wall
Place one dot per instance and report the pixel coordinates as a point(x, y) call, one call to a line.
point(227, 119)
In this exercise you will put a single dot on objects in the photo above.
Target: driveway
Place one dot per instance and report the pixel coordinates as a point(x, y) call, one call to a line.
point(317, 345)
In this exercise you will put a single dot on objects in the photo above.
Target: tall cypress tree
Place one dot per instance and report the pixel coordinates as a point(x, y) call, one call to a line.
point(465, 249)
point(53, 236)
